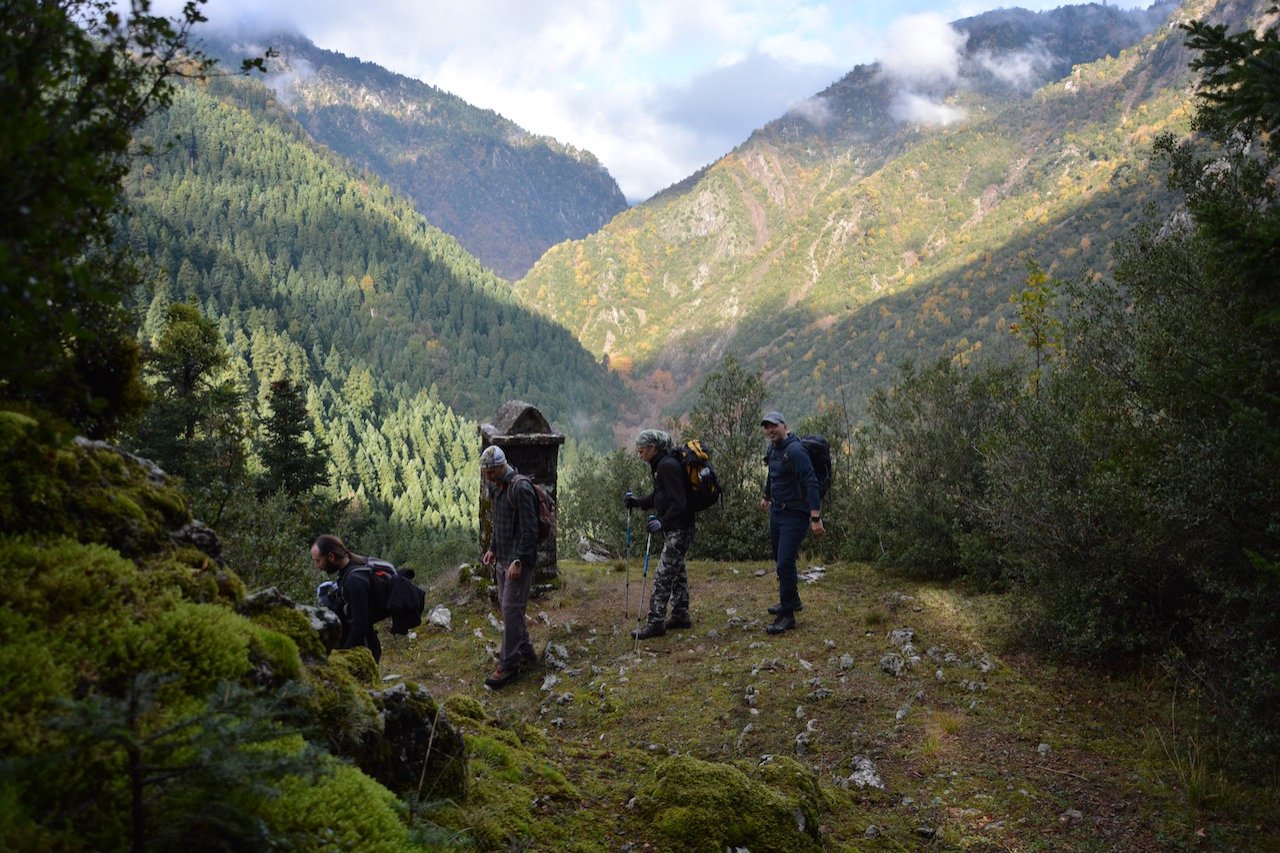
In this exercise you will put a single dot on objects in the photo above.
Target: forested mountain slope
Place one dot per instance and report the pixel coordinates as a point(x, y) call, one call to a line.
point(324, 275)
point(506, 194)
point(853, 233)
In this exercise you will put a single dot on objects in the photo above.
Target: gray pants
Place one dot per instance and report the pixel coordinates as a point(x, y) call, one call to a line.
point(513, 597)
point(671, 583)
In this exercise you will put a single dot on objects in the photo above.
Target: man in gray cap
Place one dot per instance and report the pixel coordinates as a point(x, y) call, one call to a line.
point(793, 502)
point(673, 519)
point(513, 550)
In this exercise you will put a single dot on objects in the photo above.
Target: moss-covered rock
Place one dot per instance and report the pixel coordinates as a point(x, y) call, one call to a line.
point(131, 662)
point(341, 809)
point(88, 491)
point(698, 805)
point(314, 630)
point(358, 664)
point(465, 708)
point(419, 753)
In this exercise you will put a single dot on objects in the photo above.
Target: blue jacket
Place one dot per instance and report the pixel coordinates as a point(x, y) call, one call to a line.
point(792, 483)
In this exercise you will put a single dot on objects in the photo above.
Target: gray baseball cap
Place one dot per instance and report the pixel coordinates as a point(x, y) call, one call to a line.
point(773, 418)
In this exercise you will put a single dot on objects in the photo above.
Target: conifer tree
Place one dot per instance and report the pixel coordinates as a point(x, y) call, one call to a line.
point(293, 465)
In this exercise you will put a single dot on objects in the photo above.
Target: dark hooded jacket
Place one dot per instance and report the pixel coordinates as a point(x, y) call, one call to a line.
point(670, 498)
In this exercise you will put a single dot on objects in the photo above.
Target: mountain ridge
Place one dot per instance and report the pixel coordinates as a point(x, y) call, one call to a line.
point(841, 213)
point(506, 194)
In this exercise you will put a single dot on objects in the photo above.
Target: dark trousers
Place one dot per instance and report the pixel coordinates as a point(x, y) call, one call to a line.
point(513, 597)
point(787, 529)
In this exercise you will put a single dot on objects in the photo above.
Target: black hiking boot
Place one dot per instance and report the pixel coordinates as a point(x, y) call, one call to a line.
point(528, 657)
point(784, 622)
point(776, 609)
point(677, 622)
point(651, 629)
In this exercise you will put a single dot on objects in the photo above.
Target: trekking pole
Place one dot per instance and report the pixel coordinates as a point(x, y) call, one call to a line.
point(626, 601)
point(640, 607)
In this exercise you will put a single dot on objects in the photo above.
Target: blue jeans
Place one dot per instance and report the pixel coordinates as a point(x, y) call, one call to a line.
point(787, 529)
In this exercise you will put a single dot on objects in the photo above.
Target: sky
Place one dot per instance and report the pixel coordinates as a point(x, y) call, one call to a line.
point(656, 89)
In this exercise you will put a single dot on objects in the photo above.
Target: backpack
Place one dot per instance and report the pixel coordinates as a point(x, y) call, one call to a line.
point(819, 450)
point(704, 487)
point(546, 508)
point(392, 593)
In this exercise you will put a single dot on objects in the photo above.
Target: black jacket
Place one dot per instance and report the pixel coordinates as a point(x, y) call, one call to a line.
point(356, 583)
point(670, 498)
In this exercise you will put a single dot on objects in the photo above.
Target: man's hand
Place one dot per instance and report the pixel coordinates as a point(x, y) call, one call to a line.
point(513, 570)
point(816, 528)
point(764, 504)
point(654, 525)
point(487, 558)
point(630, 501)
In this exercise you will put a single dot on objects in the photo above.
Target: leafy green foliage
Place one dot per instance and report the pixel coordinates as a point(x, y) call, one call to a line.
point(923, 479)
point(1131, 494)
point(591, 503)
point(726, 419)
point(195, 428)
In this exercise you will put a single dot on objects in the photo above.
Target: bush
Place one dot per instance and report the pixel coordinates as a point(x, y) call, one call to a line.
point(920, 471)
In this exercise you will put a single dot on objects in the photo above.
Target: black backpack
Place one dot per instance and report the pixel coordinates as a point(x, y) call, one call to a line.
point(393, 593)
point(819, 450)
point(704, 488)
point(546, 507)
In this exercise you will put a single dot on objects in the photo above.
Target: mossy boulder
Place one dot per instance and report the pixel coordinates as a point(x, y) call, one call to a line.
point(418, 753)
point(134, 665)
point(87, 491)
point(698, 805)
point(315, 630)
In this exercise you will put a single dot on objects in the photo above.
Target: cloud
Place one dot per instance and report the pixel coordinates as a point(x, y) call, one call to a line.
point(922, 49)
point(283, 78)
point(728, 103)
point(1022, 69)
point(922, 54)
point(815, 110)
point(914, 108)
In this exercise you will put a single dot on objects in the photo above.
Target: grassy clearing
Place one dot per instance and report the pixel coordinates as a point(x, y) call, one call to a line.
point(978, 746)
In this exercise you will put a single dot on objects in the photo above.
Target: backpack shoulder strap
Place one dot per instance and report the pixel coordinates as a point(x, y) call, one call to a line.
point(511, 497)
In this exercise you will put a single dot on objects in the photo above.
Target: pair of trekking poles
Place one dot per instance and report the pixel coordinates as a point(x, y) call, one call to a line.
point(626, 604)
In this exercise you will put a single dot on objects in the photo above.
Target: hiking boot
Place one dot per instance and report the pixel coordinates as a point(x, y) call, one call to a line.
point(784, 622)
point(528, 657)
point(677, 622)
point(499, 679)
point(776, 609)
point(651, 629)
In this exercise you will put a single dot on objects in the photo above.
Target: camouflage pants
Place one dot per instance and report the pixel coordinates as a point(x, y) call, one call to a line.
point(671, 583)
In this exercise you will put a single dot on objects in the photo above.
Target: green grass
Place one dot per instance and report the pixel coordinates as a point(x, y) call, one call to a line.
point(960, 755)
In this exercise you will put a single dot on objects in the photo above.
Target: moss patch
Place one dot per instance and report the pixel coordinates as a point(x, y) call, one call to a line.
point(704, 806)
